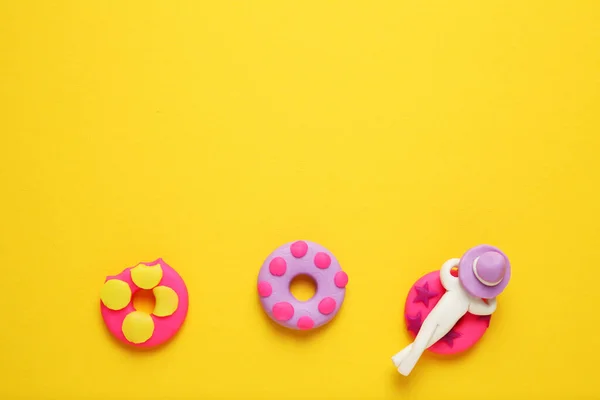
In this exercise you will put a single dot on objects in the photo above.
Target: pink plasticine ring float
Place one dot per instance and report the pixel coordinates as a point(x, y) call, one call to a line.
point(289, 261)
point(422, 297)
point(138, 328)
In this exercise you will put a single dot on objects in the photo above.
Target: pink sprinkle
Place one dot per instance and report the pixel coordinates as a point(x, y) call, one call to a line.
point(264, 289)
point(341, 279)
point(322, 260)
point(299, 249)
point(283, 311)
point(277, 266)
point(305, 323)
point(327, 305)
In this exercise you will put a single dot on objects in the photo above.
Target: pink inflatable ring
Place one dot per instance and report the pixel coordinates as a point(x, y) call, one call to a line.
point(422, 297)
point(139, 328)
point(289, 261)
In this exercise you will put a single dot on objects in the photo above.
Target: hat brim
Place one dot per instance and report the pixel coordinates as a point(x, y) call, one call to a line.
point(469, 281)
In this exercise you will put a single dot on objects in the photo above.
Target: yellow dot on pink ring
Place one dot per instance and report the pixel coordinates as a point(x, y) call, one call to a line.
point(138, 327)
point(115, 294)
point(166, 301)
point(146, 277)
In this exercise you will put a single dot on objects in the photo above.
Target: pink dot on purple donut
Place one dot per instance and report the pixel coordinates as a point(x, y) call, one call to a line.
point(283, 311)
point(341, 279)
point(305, 323)
point(264, 289)
point(299, 249)
point(327, 306)
point(322, 260)
point(277, 266)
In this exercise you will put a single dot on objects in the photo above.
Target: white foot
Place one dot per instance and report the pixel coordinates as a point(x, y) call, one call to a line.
point(398, 357)
point(403, 370)
point(408, 363)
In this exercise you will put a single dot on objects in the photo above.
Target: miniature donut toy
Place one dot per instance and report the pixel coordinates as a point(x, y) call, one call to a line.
point(139, 328)
point(449, 310)
point(289, 261)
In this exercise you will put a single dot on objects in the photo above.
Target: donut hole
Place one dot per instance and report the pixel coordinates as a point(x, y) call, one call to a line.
point(144, 301)
point(303, 287)
point(454, 272)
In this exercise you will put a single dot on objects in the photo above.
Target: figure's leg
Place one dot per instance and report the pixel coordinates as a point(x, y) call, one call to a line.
point(422, 341)
point(397, 359)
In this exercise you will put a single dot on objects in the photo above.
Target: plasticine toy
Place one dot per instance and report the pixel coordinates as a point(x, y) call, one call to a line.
point(289, 261)
point(449, 310)
point(139, 328)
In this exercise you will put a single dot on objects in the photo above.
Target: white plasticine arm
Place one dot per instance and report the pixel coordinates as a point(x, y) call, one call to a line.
point(448, 281)
point(479, 307)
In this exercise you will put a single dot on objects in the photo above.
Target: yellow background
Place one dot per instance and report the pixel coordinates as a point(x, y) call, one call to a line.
point(397, 134)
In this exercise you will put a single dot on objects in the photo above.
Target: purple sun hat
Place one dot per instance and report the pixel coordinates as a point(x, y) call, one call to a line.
point(484, 271)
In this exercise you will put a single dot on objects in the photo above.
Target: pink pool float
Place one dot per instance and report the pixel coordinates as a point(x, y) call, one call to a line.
point(449, 310)
point(139, 328)
point(289, 261)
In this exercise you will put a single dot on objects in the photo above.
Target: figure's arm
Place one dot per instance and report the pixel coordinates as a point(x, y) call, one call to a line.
point(449, 281)
point(480, 307)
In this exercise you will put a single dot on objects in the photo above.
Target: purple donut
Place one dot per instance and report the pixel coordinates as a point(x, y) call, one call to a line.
point(289, 261)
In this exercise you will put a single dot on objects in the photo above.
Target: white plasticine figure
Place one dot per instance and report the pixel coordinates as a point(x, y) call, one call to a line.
point(487, 275)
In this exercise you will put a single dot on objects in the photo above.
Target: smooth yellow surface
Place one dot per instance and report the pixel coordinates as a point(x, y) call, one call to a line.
point(395, 133)
point(138, 327)
point(115, 294)
point(166, 301)
point(146, 277)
